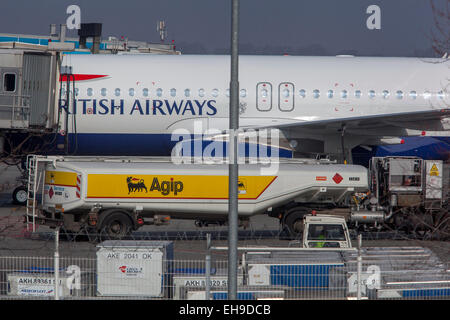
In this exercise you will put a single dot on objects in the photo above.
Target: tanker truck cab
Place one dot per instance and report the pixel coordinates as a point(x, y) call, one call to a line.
point(325, 231)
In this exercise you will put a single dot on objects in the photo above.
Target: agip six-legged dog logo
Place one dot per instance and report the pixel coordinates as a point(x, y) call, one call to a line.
point(165, 187)
point(135, 184)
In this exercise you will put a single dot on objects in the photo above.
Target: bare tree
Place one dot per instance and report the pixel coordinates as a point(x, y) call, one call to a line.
point(440, 35)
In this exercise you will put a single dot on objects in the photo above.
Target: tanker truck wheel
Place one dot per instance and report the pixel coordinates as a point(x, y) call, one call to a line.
point(115, 225)
point(20, 195)
point(293, 221)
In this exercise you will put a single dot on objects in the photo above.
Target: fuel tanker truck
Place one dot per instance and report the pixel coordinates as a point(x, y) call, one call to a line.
point(116, 195)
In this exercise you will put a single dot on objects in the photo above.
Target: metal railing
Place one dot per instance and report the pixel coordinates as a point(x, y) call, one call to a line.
point(383, 273)
point(14, 110)
point(80, 278)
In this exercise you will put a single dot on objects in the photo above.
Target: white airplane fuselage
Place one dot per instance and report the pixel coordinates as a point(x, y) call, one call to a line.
point(131, 104)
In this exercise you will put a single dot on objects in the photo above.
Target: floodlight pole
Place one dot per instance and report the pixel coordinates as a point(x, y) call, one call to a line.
point(233, 156)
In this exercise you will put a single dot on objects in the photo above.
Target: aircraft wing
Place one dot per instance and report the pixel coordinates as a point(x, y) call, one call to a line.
point(400, 124)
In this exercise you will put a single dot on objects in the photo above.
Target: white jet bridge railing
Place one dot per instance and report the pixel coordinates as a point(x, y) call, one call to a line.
point(14, 111)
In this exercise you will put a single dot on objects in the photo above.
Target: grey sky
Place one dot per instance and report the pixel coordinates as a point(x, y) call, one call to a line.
point(267, 26)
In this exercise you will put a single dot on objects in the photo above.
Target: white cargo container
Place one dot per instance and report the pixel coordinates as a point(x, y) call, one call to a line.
point(36, 285)
point(185, 282)
point(310, 269)
point(42, 284)
point(134, 268)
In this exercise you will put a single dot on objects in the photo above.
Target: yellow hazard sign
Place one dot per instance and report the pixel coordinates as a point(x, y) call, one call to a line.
point(434, 171)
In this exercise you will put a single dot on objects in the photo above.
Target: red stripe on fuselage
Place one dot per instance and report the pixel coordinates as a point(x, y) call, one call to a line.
point(82, 77)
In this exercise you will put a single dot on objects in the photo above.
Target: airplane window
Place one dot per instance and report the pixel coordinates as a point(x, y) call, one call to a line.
point(399, 94)
point(173, 92)
point(187, 92)
point(285, 96)
point(131, 92)
point(89, 92)
point(145, 92)
point(243, 93)
point(385, 94)
point(426, 95)
point(9, 82)
point(117, 92)
point(159, 92)
point(413, 94)
point(316, 94)
point(264, 96)
point(358, 93)
point(344, 94)
point(201, 92)
point(441, 95)
point(215, 92)
point(330, 94)
point(302, 93)
point(103, 92)
point(372, 94)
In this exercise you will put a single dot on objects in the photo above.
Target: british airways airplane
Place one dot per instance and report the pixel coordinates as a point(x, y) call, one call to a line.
point(132, 104)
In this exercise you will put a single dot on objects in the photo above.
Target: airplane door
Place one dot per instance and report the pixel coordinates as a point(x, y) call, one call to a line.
point(264, 96)
point(286, 96)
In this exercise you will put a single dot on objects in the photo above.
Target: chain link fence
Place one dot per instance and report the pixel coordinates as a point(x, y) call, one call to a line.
point(130, 273)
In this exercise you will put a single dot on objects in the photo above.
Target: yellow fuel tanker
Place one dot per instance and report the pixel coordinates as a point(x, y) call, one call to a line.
point(122, 193)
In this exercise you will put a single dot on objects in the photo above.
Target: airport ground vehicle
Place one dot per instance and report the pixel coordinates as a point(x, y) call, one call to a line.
point(116, 195)
point(324, 231)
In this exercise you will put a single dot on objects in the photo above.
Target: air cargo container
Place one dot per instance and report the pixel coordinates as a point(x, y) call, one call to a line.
point(134, 268)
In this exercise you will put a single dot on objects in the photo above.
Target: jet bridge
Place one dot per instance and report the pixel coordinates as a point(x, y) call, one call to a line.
point(29, 87)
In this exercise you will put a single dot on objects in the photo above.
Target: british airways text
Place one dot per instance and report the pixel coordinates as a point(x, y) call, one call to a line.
point(142, 107)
